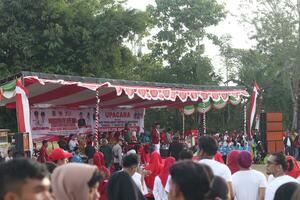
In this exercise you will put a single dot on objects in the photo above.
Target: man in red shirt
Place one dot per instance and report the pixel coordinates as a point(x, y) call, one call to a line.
point(155, 136)
point(43, 156)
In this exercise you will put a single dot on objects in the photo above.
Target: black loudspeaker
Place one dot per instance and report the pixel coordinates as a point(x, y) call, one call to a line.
point(263, 129)
point(19, 144)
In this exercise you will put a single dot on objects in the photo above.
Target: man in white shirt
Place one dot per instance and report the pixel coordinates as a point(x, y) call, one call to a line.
point(207, 149)
point(248, 184)
point(117, 154)
point(73, 142)
point(9, 155)
point(288, 144)
point(130, 164)
point(276, 166)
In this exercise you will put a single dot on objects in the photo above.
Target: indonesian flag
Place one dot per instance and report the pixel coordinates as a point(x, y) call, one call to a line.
point(23, 114)
point(252, 110)
point(7, 91)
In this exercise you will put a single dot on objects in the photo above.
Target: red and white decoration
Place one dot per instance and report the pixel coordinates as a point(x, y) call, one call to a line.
point(46, 122)
point(23, 113)
point(75, 93)
point(72, 94)
point(49, 122)
point(252, 110)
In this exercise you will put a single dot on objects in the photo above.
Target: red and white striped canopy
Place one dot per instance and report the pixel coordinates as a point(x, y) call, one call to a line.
point(49, 90)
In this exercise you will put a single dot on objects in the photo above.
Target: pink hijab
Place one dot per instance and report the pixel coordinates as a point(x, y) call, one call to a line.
point(155, 166)
point(163, 175)
point(232, 161)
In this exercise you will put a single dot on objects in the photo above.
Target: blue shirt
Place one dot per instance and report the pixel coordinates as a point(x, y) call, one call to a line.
point(77, 159)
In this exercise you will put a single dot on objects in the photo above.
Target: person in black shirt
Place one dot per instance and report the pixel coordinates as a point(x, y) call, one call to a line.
point(90, 151)
point(81, 121)
point(175, 148)
point(62, 143)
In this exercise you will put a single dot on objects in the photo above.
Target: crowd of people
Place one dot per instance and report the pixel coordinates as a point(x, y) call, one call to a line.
point(121, 166)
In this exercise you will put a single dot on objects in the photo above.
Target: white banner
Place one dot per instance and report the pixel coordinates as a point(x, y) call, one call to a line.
point(115, 119)
point(60, 121)
point(47, 122)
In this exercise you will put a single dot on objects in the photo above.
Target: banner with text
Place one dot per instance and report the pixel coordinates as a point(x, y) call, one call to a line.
point(60, 121)
point(48, 122)
point(115, 119)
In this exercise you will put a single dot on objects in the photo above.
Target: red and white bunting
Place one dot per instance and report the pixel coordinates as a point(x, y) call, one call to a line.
point(61, 93)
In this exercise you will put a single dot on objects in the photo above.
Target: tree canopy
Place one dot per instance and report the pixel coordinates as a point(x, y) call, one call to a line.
point(68, 37)
point(92, 38)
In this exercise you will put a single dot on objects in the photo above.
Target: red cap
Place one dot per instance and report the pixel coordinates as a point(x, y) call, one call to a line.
point(58, 154)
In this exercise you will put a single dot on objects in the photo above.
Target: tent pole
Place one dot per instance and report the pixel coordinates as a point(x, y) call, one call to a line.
point(204, 123)
point(183, 122)
point(245, 118)
point(97, 118)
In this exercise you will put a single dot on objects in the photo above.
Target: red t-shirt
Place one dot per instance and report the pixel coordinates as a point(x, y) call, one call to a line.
point(43, 156)
point(155, 136)
point(164, 137)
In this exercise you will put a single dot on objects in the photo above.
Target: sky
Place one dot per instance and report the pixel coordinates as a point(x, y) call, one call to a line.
point(230, 26)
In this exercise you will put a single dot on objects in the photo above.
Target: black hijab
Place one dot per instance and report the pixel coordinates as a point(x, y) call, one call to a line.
point(122, 187)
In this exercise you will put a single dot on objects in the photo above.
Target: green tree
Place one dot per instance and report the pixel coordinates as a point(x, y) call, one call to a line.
point(274, 61)
point(179, 41)
point(74, 37)
point(68, 37)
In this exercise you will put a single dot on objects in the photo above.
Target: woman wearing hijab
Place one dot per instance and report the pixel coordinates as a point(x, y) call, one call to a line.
point(121, 187)
point(232, 161)
point(152, 170)
point(98, 160)
point(76, 181)
point(293, 167)
point(218, 157)
point(160, 181)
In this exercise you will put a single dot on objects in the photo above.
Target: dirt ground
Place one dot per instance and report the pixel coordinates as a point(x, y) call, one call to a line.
point(261, 168)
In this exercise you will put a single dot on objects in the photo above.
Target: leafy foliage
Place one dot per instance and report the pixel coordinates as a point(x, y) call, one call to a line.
point(179, 41)
point(67, 37)
point(88, 38)
point(274, 61)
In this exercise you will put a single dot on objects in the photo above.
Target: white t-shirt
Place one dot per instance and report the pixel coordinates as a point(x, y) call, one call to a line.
point(72, 144)
point(218, 169)
point(167, 187)
point(275, 184)
point(270, 178)
point(8, 158)
point(137, 178)
point(159, 191)
point(288, 142)
point(246, 184)
point(298, 179)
